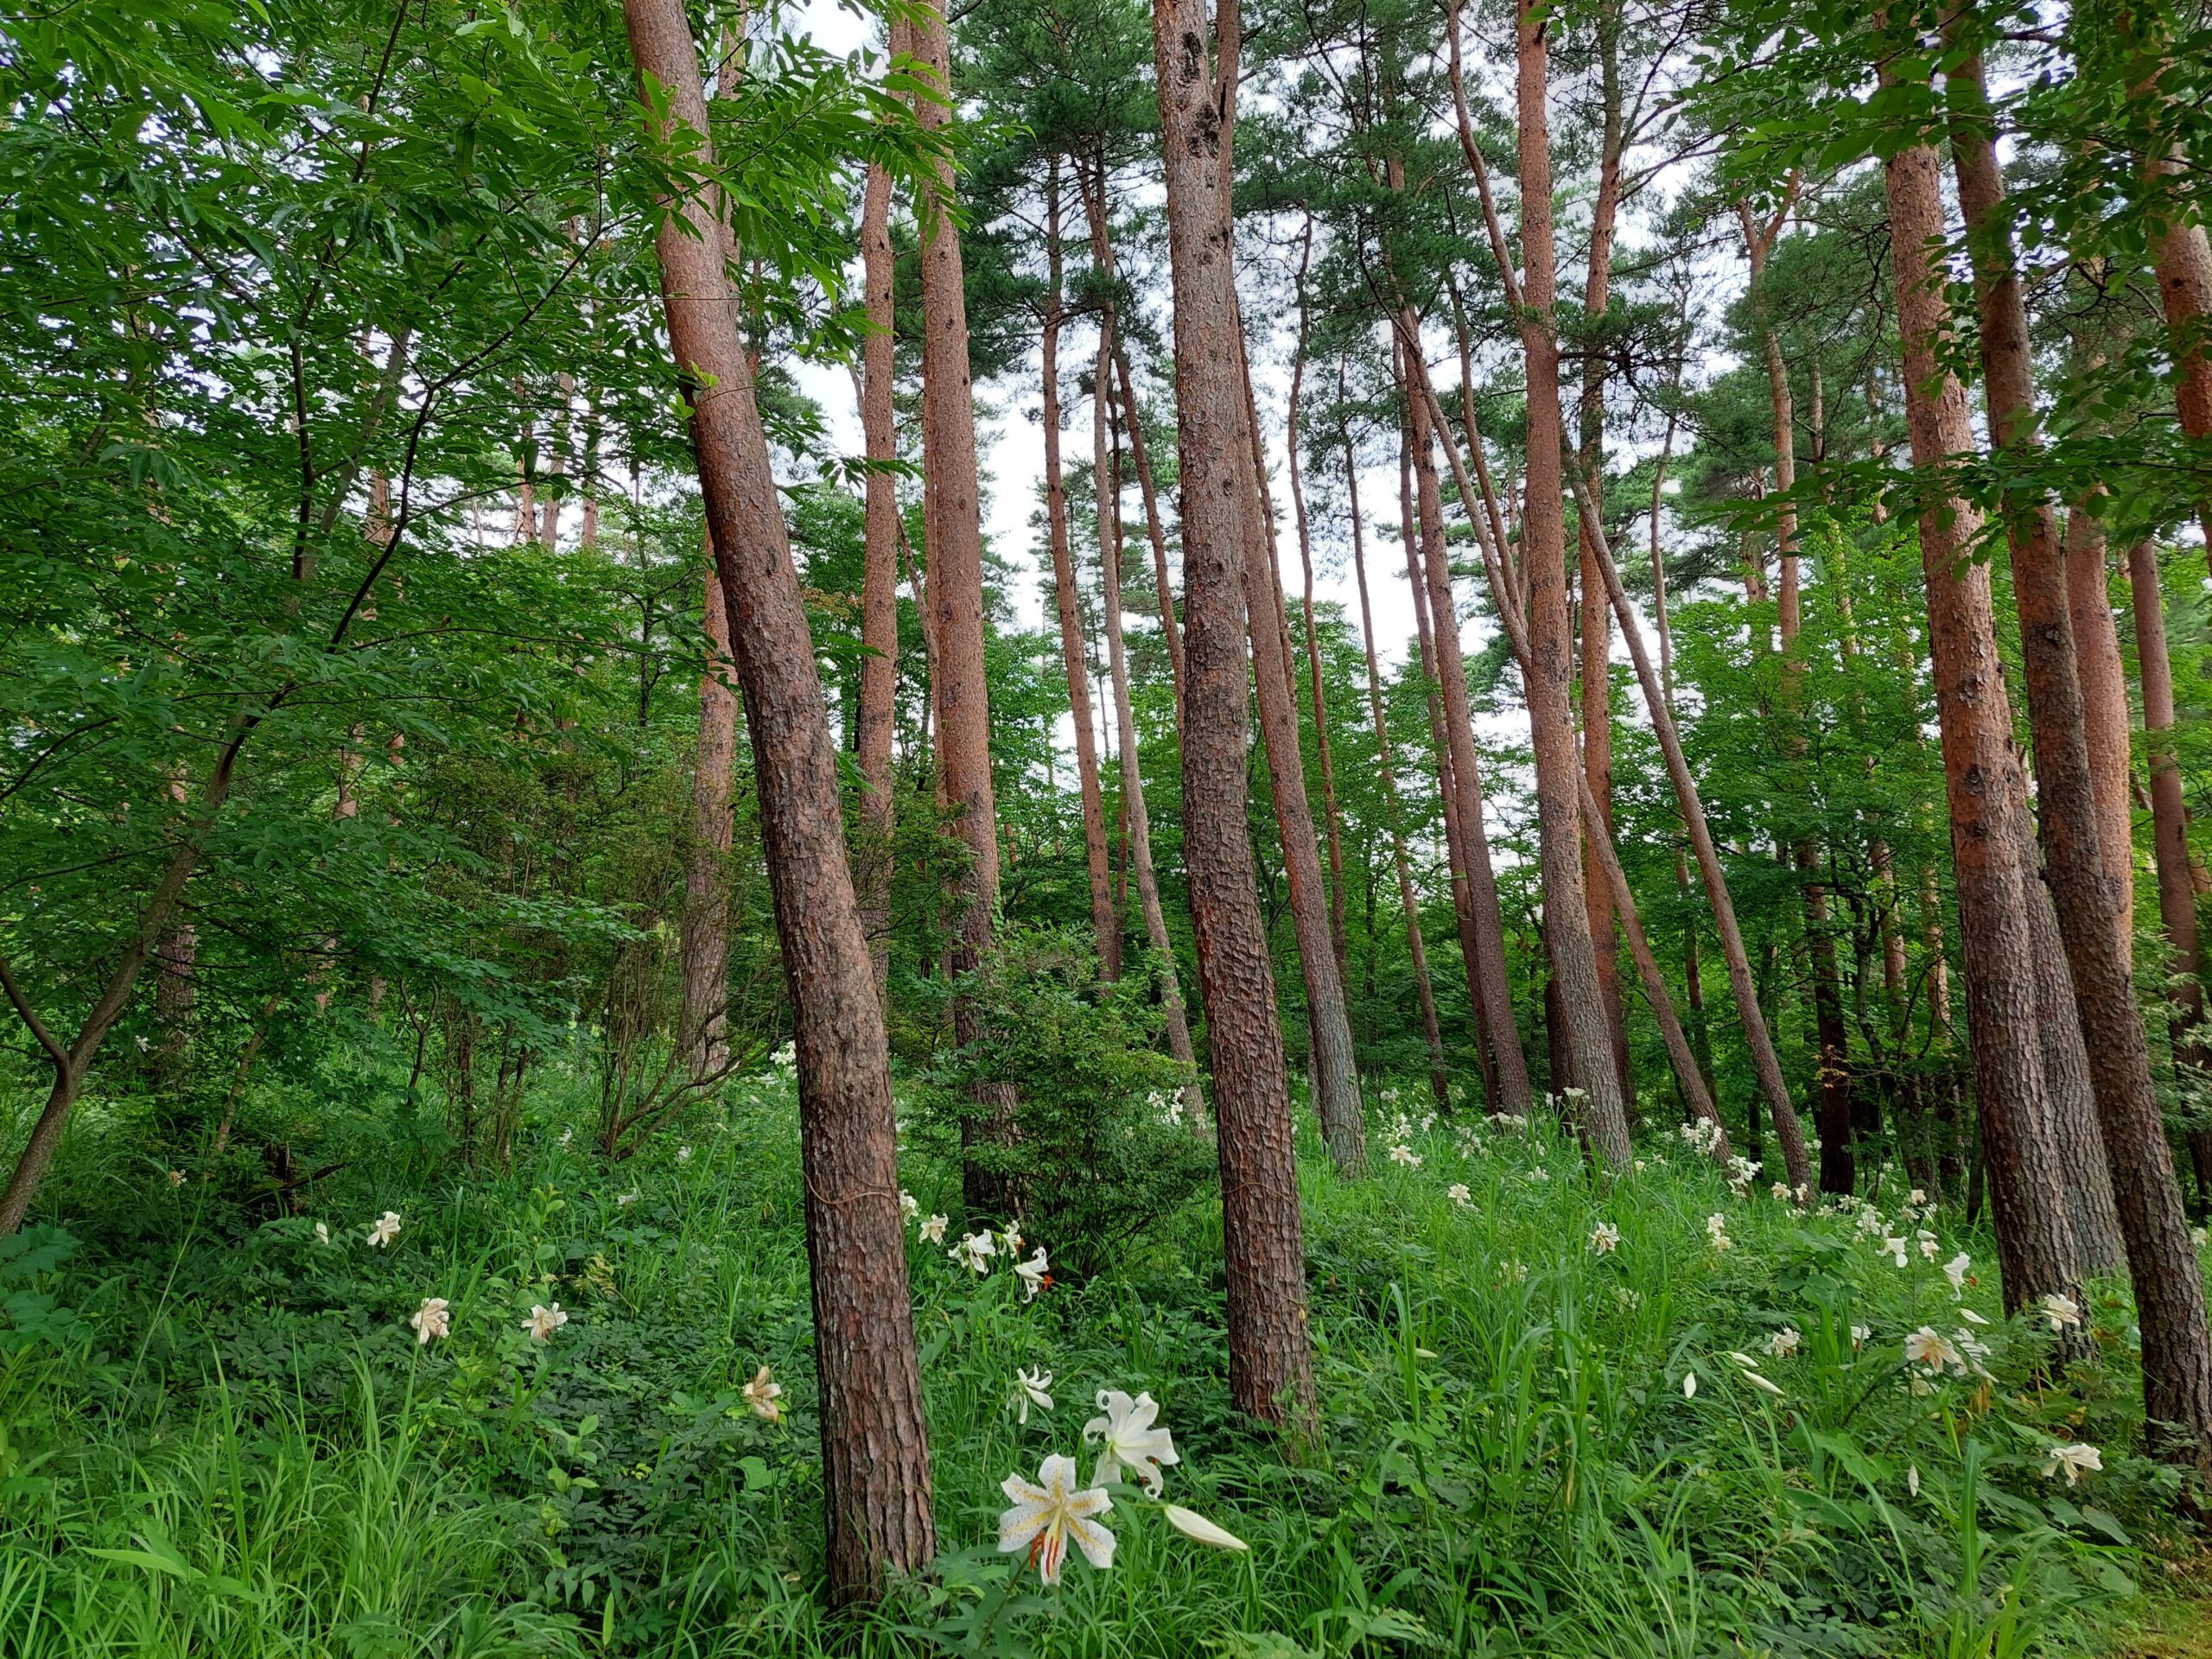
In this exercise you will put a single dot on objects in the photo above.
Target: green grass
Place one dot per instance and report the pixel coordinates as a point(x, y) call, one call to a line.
point(219, 1436)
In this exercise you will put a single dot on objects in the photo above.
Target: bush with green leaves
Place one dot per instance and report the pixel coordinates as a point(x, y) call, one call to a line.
point(1101, 1146)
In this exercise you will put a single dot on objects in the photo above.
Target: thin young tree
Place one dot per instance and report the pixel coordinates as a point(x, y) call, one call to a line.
point(877, 720)
point(876, 1467)
point(705, 945)
point(1105, 920)
point(1106, 479)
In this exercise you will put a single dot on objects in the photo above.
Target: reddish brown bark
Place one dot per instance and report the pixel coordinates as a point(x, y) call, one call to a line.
point(1551, 649)
point(2162, 1262)
point(1270, 1363)
point(2104, 697)
point(875, 1444)
point(879, 573)
point(1991, 846)
point(704, 1036)
point(1335, 1081)
point(953, 539)
point(1105, 920)
point(1439, 1083)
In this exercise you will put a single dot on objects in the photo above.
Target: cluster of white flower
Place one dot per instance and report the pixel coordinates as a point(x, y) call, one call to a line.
point(1405, 1156)
point(1509, 1123)
point(1165, 1106)
point(1716, 1228)
point(2077, 1460)
point(1056, 1510)
point(1606, 1239)
point(1701, 1136)
point(977, 1250)
point(1741, 1172)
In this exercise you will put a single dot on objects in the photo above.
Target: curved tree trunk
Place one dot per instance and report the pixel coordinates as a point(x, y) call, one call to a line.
point(1106, 473)
point(1336, 1080)
point(1270, 1358)
point(874, 1439)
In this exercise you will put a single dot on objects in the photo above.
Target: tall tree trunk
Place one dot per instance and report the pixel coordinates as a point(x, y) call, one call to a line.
point(1544, 540)
point(2111, 1027)
point(953, 538)
point(2104, 697)
point(874, 1439)
point(1335, 1081)
point(878, 720)
point(1991, 845)
point(1513, 1086)
point(1313, 636)
point(2162, 1262)
point(1438, 1083)
point(1105, 920)
point(706, 875)
point(1596, 618)
point(1271, 1359)
point(1106, 479)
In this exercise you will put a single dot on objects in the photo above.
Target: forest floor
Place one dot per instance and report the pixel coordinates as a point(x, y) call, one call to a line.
point(221, 1434)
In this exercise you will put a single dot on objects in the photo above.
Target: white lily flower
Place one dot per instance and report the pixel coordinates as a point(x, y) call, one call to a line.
point(933, 1230)
point(1033, 1273)
point(1971, 1317)
point(1928, 1244)
point(684, 1155)
point(1763, 1384)
point(1955, 1270)
point(322, 1232)
point(1200, 1531)
point(566, 1136)
point(433, 1318)
point(1030, 1389)
point(1928, 1347)
point(761, 1393)
point(909, 1207)
point(2062, 1311)
point(1128, 1440)
point(1716, 1228)
point(382, 1230)
point(545, 1321)
point(1896, 1247)
point(1405, 1155)
point(1784, 1342)
point(1912, 1478)
point(1458, 1194)
point(1606, 1239)
point(1689, 1385)
point(2077, 1460)
point(623, 1201)
point(1045, 1516)
point(975, 1252)
point(1010, 1242)
point(1859, 1333)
